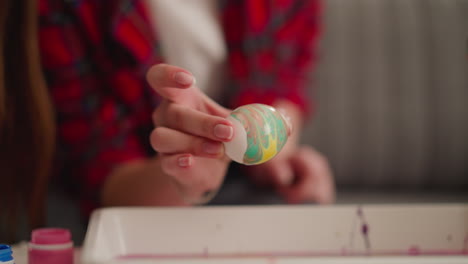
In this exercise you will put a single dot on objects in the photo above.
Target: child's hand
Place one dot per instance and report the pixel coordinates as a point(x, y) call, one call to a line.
point(188, 135)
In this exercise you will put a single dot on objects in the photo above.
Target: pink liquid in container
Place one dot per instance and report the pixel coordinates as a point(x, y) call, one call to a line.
point(51, 246)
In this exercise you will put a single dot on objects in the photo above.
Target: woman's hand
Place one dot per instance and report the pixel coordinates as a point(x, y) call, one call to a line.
point(190, 129)
point(298, 173)
point(303, 176)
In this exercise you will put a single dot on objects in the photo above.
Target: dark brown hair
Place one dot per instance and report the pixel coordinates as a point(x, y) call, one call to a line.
point(27, 129)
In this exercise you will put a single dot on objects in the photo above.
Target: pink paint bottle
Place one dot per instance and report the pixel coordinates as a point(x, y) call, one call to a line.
point(51, 246)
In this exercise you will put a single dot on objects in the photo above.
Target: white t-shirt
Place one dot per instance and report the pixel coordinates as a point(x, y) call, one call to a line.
point(191, 37)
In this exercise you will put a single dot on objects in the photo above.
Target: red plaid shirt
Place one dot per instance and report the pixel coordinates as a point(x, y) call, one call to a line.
point(95, 55)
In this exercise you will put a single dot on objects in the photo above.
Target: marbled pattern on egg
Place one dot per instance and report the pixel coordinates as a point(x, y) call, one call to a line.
point(266, 132)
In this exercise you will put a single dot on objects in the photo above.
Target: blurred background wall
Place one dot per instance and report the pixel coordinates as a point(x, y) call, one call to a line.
point(392, 92)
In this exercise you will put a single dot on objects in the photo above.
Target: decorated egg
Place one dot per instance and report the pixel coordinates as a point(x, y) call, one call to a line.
point(260, 132)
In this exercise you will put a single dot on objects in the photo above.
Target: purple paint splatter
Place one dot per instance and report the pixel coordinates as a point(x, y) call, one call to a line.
point(359, 212)
point(364, 229)
point(360, 219)
point(465, 244)
point(414, 251)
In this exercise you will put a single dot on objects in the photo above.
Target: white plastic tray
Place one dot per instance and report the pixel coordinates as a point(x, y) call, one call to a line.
point(279, 234)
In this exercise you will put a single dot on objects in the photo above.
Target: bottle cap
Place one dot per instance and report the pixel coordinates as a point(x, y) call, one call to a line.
point(48, 236)
point(6, 254)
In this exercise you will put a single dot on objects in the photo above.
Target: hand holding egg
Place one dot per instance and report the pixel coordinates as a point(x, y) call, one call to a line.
point(260, 132)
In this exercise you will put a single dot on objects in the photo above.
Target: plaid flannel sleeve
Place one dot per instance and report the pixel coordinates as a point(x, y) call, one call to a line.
point(271, 45)
point(97, 88)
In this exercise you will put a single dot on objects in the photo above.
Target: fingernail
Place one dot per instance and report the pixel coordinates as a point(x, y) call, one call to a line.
point(184, 78)
point(223, 131)
point(211, 147)
point(185, 161)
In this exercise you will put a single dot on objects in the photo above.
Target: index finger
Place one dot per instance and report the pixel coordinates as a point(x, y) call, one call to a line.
point(169, 81)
